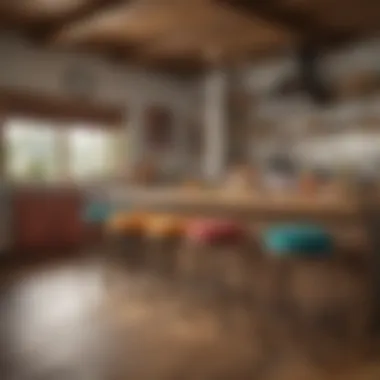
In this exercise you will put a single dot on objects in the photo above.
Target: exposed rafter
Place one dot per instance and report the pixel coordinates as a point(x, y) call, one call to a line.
point(46, 29)
point(190, 32)
point(299, 21)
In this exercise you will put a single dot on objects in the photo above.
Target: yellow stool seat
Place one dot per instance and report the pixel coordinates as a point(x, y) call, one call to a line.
point(164, 226)
point(125, 222)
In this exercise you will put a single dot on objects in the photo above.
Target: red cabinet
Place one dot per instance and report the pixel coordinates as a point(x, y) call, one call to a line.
point(46, 219)
point(32, 220)
point(69, 229)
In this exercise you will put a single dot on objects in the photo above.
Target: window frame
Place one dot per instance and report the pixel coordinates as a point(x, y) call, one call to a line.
point(62, 157)
point(34, 127)
point(62, 111)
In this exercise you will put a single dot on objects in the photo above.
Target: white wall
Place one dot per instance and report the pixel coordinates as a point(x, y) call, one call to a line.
point(25, 66)
point(22, 64)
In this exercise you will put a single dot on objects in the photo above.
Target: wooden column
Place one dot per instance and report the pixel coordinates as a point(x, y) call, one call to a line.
point(227, 122)
point(215, 144)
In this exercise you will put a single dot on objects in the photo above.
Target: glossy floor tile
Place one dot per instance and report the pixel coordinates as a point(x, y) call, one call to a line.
point(89, 319)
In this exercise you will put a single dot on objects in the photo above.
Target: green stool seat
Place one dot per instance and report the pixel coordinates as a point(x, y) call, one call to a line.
point(298, 240)
point(96, 212)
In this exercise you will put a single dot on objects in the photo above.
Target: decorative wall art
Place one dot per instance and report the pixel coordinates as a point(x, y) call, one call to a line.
point(159, 128)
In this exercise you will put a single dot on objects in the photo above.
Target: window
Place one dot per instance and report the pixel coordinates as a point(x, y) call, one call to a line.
point(30, 151)
point(93, 153)
point(48, 152)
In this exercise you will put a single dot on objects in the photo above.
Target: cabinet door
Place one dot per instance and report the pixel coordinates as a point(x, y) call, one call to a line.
point(94, 233)
point(33, 221)
point(69, 228)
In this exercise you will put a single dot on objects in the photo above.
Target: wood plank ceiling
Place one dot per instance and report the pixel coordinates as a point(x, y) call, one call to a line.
point(190, 33)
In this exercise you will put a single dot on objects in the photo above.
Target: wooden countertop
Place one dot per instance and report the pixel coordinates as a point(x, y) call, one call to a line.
point(234, 201)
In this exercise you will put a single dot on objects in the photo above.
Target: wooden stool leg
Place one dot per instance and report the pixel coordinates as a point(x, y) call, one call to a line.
point(154, 253)
point(163, 252)
point(127, 249)
point(170, 253)
point(134, 251)
point(186, 262)
point(230, 282)
point(194, 265)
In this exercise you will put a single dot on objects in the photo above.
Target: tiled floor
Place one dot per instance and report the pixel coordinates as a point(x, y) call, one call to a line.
point(87, 320)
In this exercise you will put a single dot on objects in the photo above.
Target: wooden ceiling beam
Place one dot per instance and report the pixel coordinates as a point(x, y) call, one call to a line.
point(45, 30)
point(296, 21)
point(271, 12)
point(90, 9)
point(222, 30)
point(142, 22)
point(176, 30)
point(209, 47)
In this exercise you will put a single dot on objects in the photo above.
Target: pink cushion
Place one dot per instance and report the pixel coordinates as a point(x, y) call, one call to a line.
point(215, 230)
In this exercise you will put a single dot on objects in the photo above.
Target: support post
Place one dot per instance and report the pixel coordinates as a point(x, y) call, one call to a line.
point(215, 139)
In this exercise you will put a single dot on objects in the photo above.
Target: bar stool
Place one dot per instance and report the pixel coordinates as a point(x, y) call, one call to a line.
point(95, 214)
point(125, 231)
point(214, 268)
point(214, 253)
point(163, 234)
point(290, 246)
point(298, 240)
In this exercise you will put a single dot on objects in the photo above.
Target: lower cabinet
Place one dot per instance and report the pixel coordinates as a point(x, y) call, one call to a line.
point(69, 229)
point(48, 219)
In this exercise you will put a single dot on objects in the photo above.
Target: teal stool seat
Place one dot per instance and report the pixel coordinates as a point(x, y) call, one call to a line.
point(298, 240)
point(96, 212)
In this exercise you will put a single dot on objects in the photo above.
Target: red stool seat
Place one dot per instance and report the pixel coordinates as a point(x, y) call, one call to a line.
point(209, 231)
